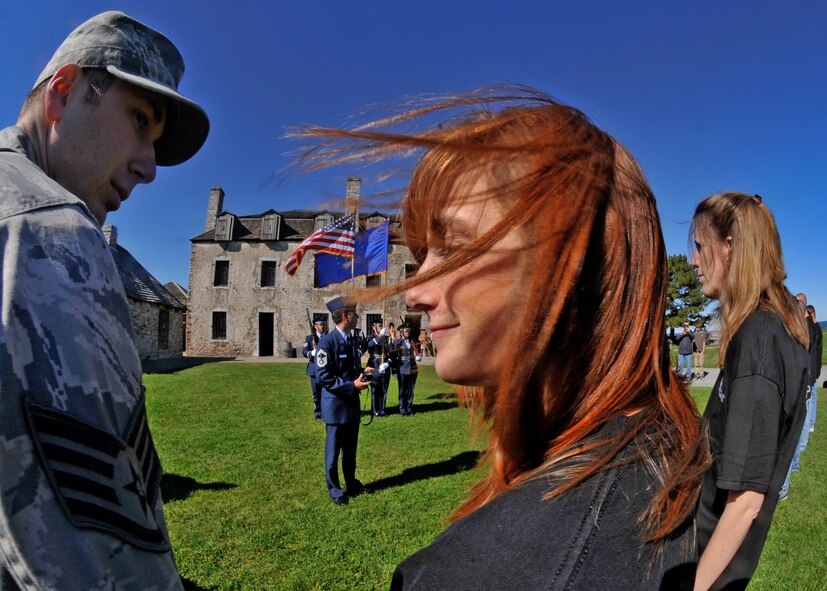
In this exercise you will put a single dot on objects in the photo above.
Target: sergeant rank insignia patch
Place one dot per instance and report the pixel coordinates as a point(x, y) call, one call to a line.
point(102, 482)
point(321, 358)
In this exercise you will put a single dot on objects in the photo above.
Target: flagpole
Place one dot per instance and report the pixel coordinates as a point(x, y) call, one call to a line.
point(353, 258)
point(352, 203)
point(384, 307)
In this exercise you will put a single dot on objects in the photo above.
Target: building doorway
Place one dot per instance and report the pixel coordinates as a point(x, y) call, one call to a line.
point(265, 334)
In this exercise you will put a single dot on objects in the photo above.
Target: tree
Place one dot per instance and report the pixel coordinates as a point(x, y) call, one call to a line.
point(684, 299)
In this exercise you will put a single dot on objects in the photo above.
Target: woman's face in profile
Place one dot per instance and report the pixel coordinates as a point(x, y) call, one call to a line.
point(474, 310)
point(711, 260)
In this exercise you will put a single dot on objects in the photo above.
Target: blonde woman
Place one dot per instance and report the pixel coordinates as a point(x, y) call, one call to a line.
point(756, 409)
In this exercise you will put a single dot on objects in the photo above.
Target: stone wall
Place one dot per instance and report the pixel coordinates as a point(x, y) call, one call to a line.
point(243, 299)
point(145, 326)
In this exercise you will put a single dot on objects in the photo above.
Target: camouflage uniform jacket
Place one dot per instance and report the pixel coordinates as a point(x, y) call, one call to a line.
point(79, 475)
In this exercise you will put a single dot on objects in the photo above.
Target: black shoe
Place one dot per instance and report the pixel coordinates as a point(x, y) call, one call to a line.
point(340, 501)
point(360, 492)
point(358, 489)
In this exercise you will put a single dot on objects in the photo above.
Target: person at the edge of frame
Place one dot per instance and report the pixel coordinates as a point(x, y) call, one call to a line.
point(339, 371)
point(80, 505)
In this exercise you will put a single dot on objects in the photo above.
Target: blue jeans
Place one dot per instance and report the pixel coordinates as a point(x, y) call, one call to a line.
point(813, 399)
point(802, 444)
point(685, 364)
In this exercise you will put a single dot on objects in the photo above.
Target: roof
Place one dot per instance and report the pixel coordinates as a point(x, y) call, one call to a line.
point(178, 292)
point(138, 283)
point(296, 225)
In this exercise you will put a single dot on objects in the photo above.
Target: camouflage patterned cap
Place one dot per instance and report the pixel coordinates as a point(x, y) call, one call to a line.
point(137, 54)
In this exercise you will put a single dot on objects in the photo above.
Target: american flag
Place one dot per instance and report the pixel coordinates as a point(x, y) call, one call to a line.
point(336, 238)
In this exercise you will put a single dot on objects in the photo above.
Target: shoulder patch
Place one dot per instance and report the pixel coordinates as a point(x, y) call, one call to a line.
point(103, 482)
point(321, 358)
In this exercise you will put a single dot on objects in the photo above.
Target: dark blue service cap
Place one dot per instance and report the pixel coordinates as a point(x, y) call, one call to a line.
point(341, 302)
point(139, 55)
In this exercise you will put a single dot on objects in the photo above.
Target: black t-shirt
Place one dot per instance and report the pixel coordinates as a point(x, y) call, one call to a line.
point(755, 415)
point(814, 351)
point(589, 538)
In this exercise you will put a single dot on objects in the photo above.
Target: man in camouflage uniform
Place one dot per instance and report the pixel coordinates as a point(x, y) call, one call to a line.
point(79, 475)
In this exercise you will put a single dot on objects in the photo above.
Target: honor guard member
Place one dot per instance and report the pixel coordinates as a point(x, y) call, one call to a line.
point(339, 371)
point(378, 348)
point(311, 342)
point(407, 369)
point(80, 506)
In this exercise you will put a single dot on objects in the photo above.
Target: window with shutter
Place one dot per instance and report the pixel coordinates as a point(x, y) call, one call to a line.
point(219, 325)
point(222, 274)
point(163, 329)
point(268, 273)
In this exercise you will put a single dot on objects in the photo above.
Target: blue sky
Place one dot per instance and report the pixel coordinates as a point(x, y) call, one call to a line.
point(708, 96)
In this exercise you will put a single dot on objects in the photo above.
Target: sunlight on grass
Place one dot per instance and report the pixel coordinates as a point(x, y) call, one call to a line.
point(247, 506)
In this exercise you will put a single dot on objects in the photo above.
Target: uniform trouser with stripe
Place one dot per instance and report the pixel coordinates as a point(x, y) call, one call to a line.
point(316, 393)
point(379, 391)
point(406, 392)
point(341, 438)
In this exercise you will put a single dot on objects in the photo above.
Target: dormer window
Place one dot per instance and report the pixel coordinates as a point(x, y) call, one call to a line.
point(270, 225)
point(224, 228)
point(322, 220)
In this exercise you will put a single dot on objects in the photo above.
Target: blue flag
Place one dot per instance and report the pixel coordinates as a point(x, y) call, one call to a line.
point(370, 250)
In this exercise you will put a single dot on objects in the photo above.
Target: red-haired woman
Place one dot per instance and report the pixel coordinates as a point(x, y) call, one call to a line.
point(529, 220)
point(757, 407)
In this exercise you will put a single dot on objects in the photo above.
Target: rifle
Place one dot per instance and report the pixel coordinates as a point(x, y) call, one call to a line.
point(312, 329)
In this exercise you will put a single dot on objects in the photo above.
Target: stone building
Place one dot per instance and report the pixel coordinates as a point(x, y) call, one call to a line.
point(158, 318)
point(243, 303)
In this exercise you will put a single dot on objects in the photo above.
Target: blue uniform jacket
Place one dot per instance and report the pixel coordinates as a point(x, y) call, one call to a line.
point(406, 363)
point(311, 363)
point(337, 366)
point(377, 345)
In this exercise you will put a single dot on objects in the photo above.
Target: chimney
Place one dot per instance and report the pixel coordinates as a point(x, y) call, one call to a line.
point(352, 193)
point(215, 206)
point(110, 234)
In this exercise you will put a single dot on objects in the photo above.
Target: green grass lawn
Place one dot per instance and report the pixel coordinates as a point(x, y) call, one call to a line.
point(245, 494)
point(247, 506)
point(710, 356)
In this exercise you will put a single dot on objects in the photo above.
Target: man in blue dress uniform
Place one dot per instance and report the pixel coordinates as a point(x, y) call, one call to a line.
point(311, 341)
point(339, 371)
point(407, 369)
point(378, 347)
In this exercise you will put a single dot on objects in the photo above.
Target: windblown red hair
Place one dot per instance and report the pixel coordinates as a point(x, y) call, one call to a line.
point(595, 297)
